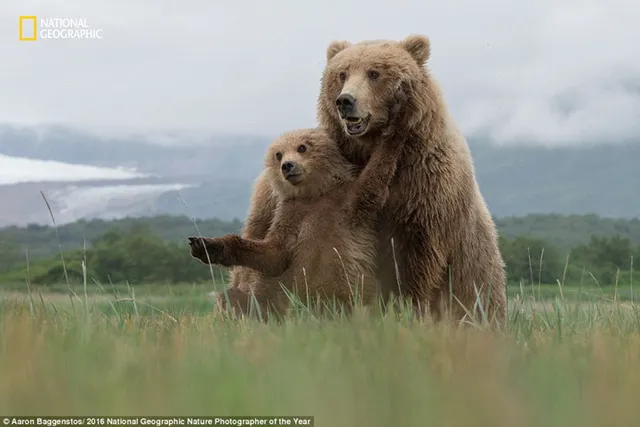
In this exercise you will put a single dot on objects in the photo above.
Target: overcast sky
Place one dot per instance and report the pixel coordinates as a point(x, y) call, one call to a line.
point(551, 70)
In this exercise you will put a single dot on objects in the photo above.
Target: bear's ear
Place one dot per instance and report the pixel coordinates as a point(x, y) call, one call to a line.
point(336, 47)
point(419, 47)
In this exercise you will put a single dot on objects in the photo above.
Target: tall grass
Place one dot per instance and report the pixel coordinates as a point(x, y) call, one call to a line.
point(565, 360)
point(567, 364)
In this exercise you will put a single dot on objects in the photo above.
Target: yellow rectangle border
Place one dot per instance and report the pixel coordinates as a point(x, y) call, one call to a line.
point(21, 26)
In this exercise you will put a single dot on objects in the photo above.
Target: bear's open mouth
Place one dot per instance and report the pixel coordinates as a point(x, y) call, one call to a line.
point(356, 125)
point(294, 178)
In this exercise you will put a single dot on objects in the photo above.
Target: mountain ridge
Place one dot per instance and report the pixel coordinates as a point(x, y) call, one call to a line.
point(219, 171)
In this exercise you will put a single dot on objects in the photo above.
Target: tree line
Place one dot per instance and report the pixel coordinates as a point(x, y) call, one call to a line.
point(154, 250)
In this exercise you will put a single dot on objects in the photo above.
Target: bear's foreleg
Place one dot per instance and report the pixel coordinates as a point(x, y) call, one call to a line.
point(371, 190)
point(269, 257)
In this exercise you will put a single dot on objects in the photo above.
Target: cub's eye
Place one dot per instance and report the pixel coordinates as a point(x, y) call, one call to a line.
point(373, 74)
point(343, 76)
point(302, 148)
point(278, 156)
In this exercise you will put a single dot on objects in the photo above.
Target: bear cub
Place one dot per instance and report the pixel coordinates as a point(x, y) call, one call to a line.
point(322, 241)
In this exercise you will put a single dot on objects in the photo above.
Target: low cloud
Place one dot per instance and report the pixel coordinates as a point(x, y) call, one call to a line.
point(545, 72)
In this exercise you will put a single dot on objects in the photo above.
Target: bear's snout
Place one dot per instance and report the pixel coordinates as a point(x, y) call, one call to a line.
point(289, 168)
point(346, 104)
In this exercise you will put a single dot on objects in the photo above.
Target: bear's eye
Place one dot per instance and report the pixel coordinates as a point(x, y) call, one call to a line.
point(302, 148)
point(278, 156)
point(343, 76)
point(373, 74)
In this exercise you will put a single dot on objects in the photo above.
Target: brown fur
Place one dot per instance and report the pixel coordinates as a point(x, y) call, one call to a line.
point(443, 235)
point(322, 239)
point(261, 209)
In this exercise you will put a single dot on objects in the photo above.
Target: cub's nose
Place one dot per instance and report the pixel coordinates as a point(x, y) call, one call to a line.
point(288, 167)
point(345, 104)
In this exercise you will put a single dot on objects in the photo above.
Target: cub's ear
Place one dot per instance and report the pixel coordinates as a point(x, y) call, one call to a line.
point(419, 47)
point(336, 47)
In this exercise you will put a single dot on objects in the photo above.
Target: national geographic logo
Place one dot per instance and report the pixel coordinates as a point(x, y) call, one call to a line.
point(32, 28)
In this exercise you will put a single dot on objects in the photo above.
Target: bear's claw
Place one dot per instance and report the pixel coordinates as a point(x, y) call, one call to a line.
point(200, 248)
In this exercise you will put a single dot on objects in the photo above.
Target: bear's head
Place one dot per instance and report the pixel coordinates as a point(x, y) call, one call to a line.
point(305, 163)
point(362, 84)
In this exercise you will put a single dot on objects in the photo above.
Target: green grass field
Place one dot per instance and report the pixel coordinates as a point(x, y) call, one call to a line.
point(568, 357)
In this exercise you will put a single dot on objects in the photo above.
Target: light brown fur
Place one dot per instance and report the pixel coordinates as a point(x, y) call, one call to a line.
point(443, 234)
point(322, 240)
point(261, 209)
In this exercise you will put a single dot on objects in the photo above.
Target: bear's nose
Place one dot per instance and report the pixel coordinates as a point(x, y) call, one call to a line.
point(345, 104)
point(287, 167)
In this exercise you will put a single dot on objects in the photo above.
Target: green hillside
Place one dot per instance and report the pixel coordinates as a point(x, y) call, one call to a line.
point(154, 250)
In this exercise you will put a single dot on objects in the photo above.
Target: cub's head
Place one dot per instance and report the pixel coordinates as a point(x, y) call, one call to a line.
point(305, 163)
point(363, 82)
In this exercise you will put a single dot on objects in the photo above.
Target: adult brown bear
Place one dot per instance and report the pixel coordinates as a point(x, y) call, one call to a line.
point(437, 242)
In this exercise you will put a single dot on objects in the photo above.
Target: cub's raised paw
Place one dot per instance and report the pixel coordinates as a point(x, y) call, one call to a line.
point(202, 246)
point(197, 248)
